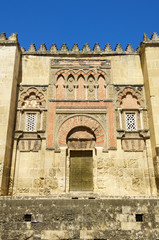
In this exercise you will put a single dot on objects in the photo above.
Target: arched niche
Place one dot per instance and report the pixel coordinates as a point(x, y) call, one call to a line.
point(81, 95)
point(129, 101)
point(31, 98)
point(60, 90)
point(91, 87)
point(77, 122)
point(81, 138)
point(101, 91)
point(70, 87)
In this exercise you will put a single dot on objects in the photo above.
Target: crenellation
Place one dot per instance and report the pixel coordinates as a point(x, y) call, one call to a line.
point(86, 48)
point(145, 37)
point(32, 48)
point(64, 48)
point(155, 37)
point(53, 48)
point(75, 48)
point(3, 37)
point(118, 48)
point(97, 48)
point(22, 49)
point(42, 48)
point(13, 37)
point(129, 49)
point(108, 48)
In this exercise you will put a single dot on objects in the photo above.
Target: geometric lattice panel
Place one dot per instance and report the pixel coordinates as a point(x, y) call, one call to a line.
point(131, 122)
point(30, 123)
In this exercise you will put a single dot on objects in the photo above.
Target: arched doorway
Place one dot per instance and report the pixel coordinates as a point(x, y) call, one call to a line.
point(81, 142)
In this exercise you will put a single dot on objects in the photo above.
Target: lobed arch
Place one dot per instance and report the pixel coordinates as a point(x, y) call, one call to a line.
point(125, 92)
point(70, 76)
point(91, 76)
point(85, 73)
point(60, 91)
point(81, 75)
point(32, 92)
point(85, 85)
point(80, 121)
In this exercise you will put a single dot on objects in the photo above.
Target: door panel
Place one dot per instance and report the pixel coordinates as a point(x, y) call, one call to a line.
point(81, 171)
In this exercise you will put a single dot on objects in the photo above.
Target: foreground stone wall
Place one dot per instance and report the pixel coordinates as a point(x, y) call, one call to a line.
point(49, 219)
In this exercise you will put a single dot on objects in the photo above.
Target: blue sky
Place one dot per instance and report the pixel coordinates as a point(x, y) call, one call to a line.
point(60, 21)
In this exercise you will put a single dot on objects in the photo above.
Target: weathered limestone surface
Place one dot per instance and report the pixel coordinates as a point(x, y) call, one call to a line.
point(35, 70)
point(9, 70)
point(87, 115)
point(121, 174)
point(150, 66)
point(126, 69)
point(49, 219)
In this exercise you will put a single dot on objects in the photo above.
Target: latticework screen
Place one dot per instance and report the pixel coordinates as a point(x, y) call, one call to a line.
point(30, 124)
point(131, 122)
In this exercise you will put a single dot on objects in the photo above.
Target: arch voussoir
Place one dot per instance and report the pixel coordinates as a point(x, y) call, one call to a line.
point(81, 121)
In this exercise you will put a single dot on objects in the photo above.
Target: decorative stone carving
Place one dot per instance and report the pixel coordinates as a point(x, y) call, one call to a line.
point(81, 138)
point(126, 90)
point(69, 79)
point(31, 102)
point(29, 145)
point(130, 118)
point(91, 88)
point(80, 64)
point(133, 145)
point(31, 98)
point(70, 89)
point(80, 121)
point(31, 118)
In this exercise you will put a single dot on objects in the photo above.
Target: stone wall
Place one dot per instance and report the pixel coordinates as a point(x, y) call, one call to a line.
point(9, 71)
point(122, 162)
point(49, 219)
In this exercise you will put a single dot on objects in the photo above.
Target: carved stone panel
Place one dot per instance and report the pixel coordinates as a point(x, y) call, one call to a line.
point(133, 145)
point(29, 145)
point(81, 63)
point(70, 88)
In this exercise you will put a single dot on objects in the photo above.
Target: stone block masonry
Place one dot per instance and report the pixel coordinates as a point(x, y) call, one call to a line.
point(49, 219)
point(79, 142)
